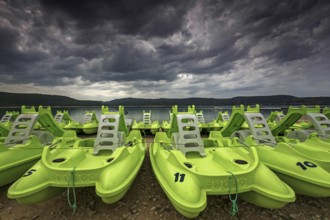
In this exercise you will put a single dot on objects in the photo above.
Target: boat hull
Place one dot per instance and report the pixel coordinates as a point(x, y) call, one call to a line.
point(110, 173)
point(90, 130)
point(16, 160)
point(305, 188)
point(153, 128)
point(12, 174)
point(304, 175)
point(75, 126)
point(187, 181)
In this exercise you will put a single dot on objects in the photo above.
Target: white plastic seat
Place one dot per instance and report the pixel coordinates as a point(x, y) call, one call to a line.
point(188, 138)
point(88, 118)
point(146, 118)
point(59, 117)
point(259, 128)
point(21, 129)
point(320, 122)
point(108, 135)
point(200, 117)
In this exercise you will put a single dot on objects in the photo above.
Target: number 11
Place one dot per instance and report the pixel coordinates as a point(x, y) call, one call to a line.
point(177, 175)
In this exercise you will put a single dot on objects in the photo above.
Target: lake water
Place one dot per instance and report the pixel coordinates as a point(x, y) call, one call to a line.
point(136, 113)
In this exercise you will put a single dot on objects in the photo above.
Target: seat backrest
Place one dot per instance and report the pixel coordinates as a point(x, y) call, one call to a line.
point(146, 117)
point(225, 116)
point(88, 118)
point(59, 117)
point(5, 118)
point(21, 129)
point(200, 117)
point(320, 122)
point(188, 138)
point(108, 135)
point(259, 128)
point(279, 117)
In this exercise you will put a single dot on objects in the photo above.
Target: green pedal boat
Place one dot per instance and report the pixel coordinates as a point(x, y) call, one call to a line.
point(189, 168)
point(297, 115)
point(146, 124)
point(89, 126)
point(315, 125)
point(110, 162)
point(91, 123)
point(62, 118)
point(303, 165)
point(74, 126)
point(23, 146)
point(222, 119)
point(206, 127)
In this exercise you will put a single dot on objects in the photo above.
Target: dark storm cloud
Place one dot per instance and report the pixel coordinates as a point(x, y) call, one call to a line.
point(13, 59)
point(143, 17)
point(60, 42)
point(287, 24)
point(8, 48)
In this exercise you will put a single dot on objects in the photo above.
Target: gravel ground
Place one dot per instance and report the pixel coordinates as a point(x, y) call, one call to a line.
point(146, 200)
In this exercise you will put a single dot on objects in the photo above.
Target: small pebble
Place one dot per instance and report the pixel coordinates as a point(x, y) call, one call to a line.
point(35, 217)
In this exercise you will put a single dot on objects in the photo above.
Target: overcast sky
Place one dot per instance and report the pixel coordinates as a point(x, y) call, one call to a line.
point(103, 50)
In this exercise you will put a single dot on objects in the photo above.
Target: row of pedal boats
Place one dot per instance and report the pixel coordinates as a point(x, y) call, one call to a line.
point(64, 120)
point(264, 163)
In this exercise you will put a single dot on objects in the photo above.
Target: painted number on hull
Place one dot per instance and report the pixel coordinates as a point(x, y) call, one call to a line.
point(179, 177)
point(30, 172)
point(306, 164)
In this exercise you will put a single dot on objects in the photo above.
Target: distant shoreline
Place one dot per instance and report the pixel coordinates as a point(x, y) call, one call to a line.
point(15, 100)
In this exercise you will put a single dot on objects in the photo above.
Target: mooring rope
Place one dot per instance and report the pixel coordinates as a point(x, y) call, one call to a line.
point(234, 207)
point(72, 179)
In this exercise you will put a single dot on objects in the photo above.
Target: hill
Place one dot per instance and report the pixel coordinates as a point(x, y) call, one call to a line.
point(18, 99)
point(279, 100)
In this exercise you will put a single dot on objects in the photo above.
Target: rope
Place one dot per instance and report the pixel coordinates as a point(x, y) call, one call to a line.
point(169, 145)
point(241, 142)
point(234, 207)
point(54, 145)
point(130, 143)
point(71, 179)
point(271, 142)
